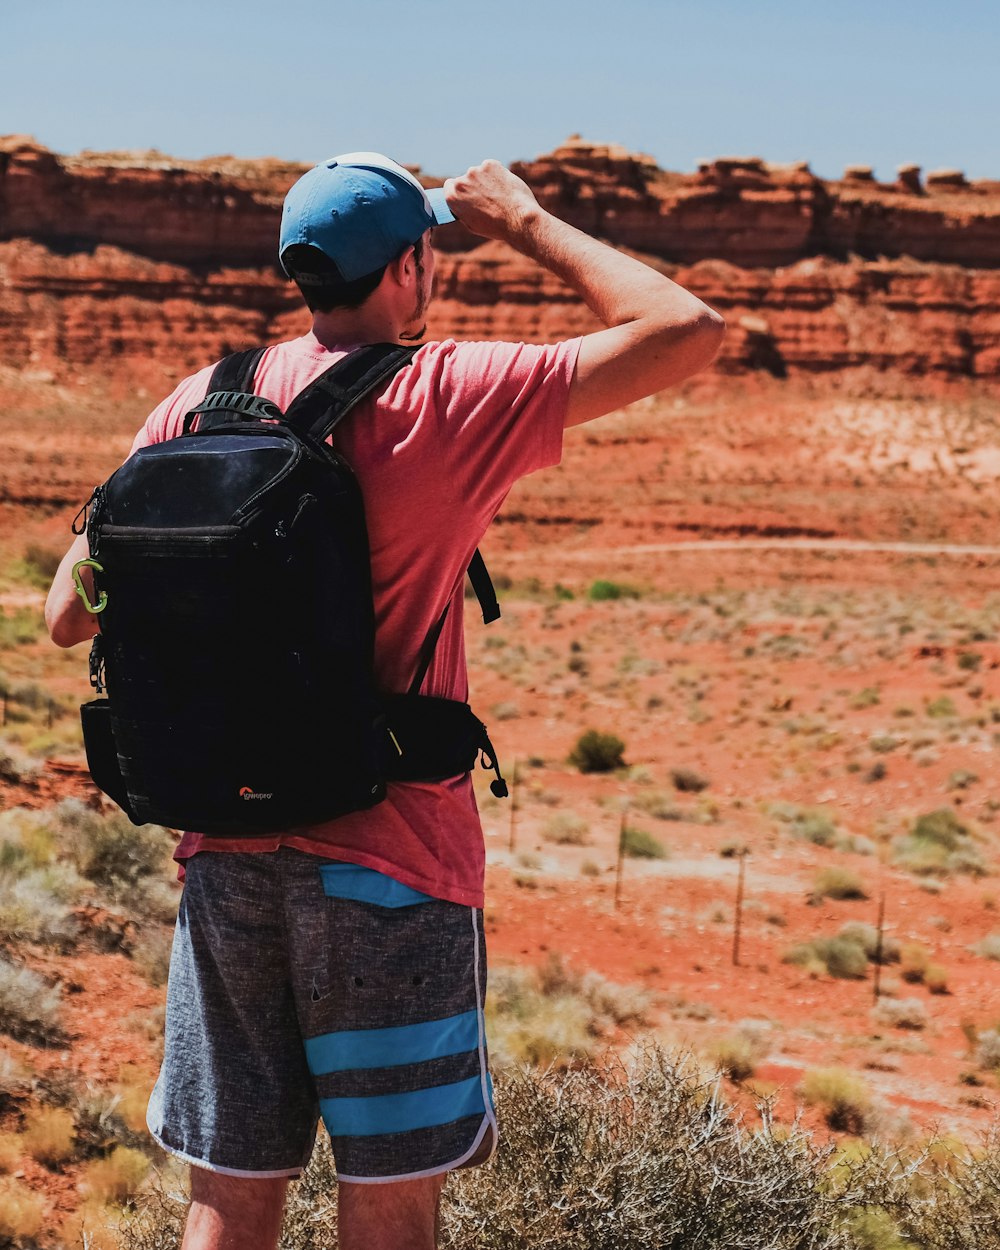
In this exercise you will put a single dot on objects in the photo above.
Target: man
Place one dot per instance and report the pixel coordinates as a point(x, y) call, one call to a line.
point(343, 965)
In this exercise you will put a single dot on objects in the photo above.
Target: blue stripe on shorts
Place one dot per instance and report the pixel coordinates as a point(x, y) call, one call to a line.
point(393, 1047)
point(401, 1113)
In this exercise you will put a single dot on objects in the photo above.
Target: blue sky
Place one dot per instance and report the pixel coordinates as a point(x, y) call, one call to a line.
point(443, 85)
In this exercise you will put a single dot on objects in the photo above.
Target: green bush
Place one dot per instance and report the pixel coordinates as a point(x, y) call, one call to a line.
point(602, 590)
point(597, 752)
point(638, 844)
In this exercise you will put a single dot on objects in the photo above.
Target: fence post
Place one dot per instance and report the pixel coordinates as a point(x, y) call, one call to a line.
point(738, 913)
point(620, 870)
point(513, 806)
point(878, 946)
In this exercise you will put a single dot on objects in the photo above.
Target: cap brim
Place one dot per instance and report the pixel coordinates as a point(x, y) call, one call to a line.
point(439, 206)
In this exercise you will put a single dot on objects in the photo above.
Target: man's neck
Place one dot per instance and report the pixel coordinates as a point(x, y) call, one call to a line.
point(349, 326)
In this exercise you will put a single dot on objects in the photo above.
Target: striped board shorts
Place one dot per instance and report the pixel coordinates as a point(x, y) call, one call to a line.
point(303, 988)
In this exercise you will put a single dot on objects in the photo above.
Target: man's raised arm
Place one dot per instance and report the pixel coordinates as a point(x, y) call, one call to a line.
point(657, 332)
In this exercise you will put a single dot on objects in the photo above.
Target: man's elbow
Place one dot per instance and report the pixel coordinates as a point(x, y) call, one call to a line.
point(708, 331)
point(693, 345)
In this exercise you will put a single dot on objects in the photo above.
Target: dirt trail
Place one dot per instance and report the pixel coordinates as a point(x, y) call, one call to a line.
point(771, 544)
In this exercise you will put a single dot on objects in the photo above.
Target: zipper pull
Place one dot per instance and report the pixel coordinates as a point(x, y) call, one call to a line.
point(488, 759)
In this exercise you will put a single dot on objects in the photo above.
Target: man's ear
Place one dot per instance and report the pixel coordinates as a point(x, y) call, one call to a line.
point(404, 268)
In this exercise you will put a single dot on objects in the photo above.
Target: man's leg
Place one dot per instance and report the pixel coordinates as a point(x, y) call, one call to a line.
point(397, 1216)
point(234, 1212)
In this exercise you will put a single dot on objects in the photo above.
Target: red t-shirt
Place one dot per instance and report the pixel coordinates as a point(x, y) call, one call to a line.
point(435, 455)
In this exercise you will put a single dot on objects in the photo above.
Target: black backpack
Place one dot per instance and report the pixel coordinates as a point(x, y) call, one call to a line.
point(233, 583)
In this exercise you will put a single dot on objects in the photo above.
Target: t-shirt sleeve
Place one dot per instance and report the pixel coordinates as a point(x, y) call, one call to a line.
point(504, 407)
point(167, 418)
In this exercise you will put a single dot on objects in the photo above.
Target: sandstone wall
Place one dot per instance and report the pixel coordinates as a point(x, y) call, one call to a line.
point(138, 263)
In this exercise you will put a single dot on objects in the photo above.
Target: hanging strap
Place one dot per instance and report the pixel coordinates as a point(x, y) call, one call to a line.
point(230, 389)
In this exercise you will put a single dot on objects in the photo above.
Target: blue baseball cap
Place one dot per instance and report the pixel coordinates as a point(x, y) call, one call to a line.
point(360, 210)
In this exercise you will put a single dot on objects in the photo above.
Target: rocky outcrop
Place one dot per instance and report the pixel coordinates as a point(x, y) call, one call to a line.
point(137, 262)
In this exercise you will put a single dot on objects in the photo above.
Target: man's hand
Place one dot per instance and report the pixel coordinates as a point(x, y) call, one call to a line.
point(657, 332)
point(491, 201)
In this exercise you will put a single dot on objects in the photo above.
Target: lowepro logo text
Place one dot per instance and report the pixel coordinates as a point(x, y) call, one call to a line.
point(247, 793)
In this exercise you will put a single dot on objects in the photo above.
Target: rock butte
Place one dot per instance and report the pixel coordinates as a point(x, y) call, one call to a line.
point(139, 264)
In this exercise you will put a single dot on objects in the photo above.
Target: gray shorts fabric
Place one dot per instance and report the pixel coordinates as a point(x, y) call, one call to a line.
point(301, 987)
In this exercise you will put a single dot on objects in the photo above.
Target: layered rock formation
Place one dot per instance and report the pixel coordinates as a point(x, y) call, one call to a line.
point(142, 265)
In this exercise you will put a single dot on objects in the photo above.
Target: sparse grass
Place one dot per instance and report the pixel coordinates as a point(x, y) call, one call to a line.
point(939, 844)
point(597, 752)
point(813, 824)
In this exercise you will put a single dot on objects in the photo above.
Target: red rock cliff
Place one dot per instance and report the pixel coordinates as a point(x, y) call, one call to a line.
point(141, 263)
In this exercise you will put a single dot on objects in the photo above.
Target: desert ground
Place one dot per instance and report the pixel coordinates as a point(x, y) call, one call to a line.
point(784, 600)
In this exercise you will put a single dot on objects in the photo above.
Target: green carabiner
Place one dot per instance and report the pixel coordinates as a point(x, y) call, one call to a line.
point(81, 590)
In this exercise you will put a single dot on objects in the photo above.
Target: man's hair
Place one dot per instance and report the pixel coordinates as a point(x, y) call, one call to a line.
point(319, 280)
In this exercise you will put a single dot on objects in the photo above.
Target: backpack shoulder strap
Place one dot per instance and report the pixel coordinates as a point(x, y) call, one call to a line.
point(325, 402)
point(232, 375)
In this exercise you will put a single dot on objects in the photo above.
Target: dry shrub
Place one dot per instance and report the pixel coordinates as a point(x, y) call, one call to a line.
point(627, 1155)
point(866, 936)
point(838, 956)
point(49, 1135)
point(940, 844)
point(555, 1016)
point(914, 962)
point(117, 1176)
point(988, 1050)
point(29, 1009)
point(22, 1212)
point(738, 1053)
point(936, 978)
point(844, 1099)
point(838, 883)
point(11, 1151)
point(566, 829)
point(901, 1013)
point(92, 1226)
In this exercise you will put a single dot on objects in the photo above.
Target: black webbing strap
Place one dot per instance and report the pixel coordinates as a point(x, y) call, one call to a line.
point(233, 373)
point(482, 584)
point(326, 401)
